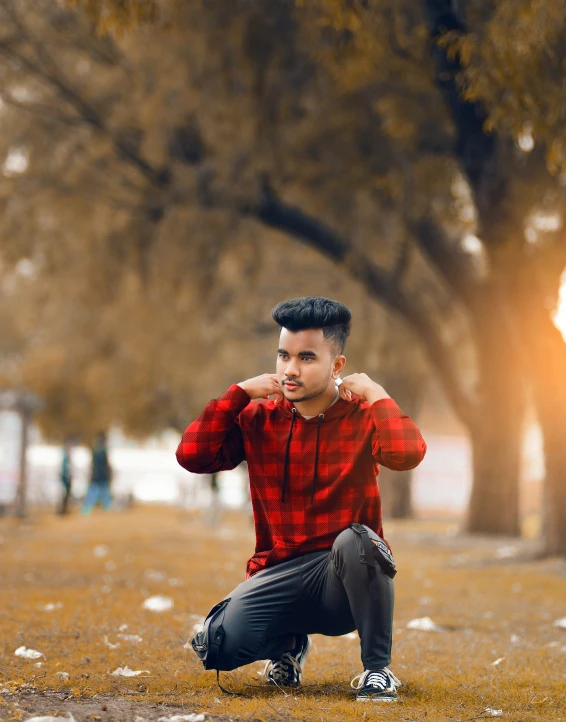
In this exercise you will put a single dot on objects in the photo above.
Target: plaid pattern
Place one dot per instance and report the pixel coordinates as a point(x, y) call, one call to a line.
point(354, 439)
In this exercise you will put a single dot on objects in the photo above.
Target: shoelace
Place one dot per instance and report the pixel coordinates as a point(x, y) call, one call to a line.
point(380, 679)
point(280, 670)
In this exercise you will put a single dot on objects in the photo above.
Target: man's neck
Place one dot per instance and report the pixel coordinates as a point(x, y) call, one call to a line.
point(318, 405)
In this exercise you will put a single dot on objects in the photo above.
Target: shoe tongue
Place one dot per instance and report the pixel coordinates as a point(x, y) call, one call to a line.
point(377, 679)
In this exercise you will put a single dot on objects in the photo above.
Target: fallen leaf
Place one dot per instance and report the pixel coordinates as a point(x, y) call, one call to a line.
point(127, 672)
point(28, 653)
point(424, 624)
point(159, 603)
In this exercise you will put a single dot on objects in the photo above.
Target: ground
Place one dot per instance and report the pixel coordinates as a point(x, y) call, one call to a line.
point(498, 648)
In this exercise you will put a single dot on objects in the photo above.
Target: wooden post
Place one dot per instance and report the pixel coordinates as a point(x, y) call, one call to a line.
point(25, 404)
point(21, 492)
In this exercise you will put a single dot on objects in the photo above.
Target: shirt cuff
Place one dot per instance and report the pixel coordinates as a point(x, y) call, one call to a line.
point(236, 394)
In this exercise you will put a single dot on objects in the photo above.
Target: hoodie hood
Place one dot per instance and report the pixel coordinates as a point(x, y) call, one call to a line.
point(336, 411)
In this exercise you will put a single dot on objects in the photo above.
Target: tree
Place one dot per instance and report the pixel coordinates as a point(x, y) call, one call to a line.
point(530, 276)
point(498, 51)
point(335, 133)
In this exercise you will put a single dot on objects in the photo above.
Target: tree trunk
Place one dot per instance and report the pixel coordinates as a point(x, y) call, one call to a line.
point(396, 493)
point(496, 450)
point(496, 432)
point(547, 356)
point(553, 422)
point(534, 288)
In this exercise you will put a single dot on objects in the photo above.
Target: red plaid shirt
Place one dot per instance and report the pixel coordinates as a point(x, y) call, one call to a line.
point(330, 463)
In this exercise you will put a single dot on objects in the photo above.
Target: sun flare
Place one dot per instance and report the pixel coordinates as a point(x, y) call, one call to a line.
point(560, 313)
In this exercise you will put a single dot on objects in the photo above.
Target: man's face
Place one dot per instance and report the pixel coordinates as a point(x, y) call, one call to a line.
point(306, 364)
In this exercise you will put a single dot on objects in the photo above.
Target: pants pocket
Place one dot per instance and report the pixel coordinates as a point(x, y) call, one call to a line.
point(382, 555)
point(208, 641)
point(373, 550)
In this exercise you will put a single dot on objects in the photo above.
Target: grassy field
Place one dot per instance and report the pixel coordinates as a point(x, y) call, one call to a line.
point(95, 572)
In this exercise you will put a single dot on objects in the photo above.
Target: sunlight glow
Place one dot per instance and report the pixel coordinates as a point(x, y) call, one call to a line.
point(26, 268)
point(542, 222)
point(22, 94)
point(526, 141)
point(559, 317)
point(463, 201)
point(472, 244)
point(16, 162)
point(547, 222)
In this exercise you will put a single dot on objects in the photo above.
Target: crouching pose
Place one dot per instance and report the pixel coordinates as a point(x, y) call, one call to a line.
point(321, 565)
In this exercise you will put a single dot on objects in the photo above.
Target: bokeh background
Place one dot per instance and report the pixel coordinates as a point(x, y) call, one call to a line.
point(171, 170)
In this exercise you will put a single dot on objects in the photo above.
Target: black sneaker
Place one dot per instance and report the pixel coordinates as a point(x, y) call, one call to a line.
point(378, 686)
point(288, 669)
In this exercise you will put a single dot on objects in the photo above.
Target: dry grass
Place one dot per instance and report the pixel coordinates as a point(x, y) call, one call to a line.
point(448, 675)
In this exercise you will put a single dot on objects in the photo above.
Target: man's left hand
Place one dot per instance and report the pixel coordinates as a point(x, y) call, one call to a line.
point(361, 386)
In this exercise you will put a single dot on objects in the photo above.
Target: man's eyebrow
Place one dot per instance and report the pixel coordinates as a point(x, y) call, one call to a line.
point(301, 353)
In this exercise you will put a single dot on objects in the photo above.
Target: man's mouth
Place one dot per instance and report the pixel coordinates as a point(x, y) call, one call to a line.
point(291, 385)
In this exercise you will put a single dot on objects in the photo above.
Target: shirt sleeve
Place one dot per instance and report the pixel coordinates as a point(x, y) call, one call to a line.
point(397, 442)
point(213, 442)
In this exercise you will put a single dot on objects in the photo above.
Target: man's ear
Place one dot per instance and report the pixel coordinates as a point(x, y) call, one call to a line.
point(339, 363)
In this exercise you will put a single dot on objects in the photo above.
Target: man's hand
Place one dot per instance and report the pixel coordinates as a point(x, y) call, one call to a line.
point(360, 385)
point(260, 387)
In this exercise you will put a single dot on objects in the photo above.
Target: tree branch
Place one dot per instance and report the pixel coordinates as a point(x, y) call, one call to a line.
point(40, 109)
point(452, 265)
point(476, 149)
point(47, 69)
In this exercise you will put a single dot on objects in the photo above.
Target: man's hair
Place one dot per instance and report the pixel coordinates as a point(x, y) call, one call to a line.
point(299, 314)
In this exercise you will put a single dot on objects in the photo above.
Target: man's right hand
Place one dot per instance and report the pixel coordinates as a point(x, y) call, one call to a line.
point(260, 387)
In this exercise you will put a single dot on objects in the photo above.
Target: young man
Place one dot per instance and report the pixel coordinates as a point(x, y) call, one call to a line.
point(320, 564)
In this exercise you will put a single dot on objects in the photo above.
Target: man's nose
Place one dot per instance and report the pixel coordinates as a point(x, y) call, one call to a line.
point(291, 370)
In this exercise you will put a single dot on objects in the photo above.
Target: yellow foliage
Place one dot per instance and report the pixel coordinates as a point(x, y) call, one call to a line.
point(119, 15)
point(517, 48)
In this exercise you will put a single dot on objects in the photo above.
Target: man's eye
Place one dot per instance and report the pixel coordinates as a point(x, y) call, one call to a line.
point(307, 358)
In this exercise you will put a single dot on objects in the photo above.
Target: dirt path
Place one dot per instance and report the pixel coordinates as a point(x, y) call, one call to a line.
point(101, 707)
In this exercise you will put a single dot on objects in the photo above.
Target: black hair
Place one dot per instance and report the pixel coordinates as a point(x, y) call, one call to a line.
point(298, 314)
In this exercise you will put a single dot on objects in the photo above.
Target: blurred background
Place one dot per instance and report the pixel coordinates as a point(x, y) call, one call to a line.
point(170, 170)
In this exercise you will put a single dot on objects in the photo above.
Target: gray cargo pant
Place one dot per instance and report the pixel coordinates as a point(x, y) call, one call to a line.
point(325, 592)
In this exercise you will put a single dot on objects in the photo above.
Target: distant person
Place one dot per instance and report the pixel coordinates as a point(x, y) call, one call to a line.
point(321, 564)
point(66, 476)
point(98, 491)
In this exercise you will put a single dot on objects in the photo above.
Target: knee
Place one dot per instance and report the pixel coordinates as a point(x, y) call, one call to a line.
point(237, 646)
point(214, 649)
point(346, 545)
